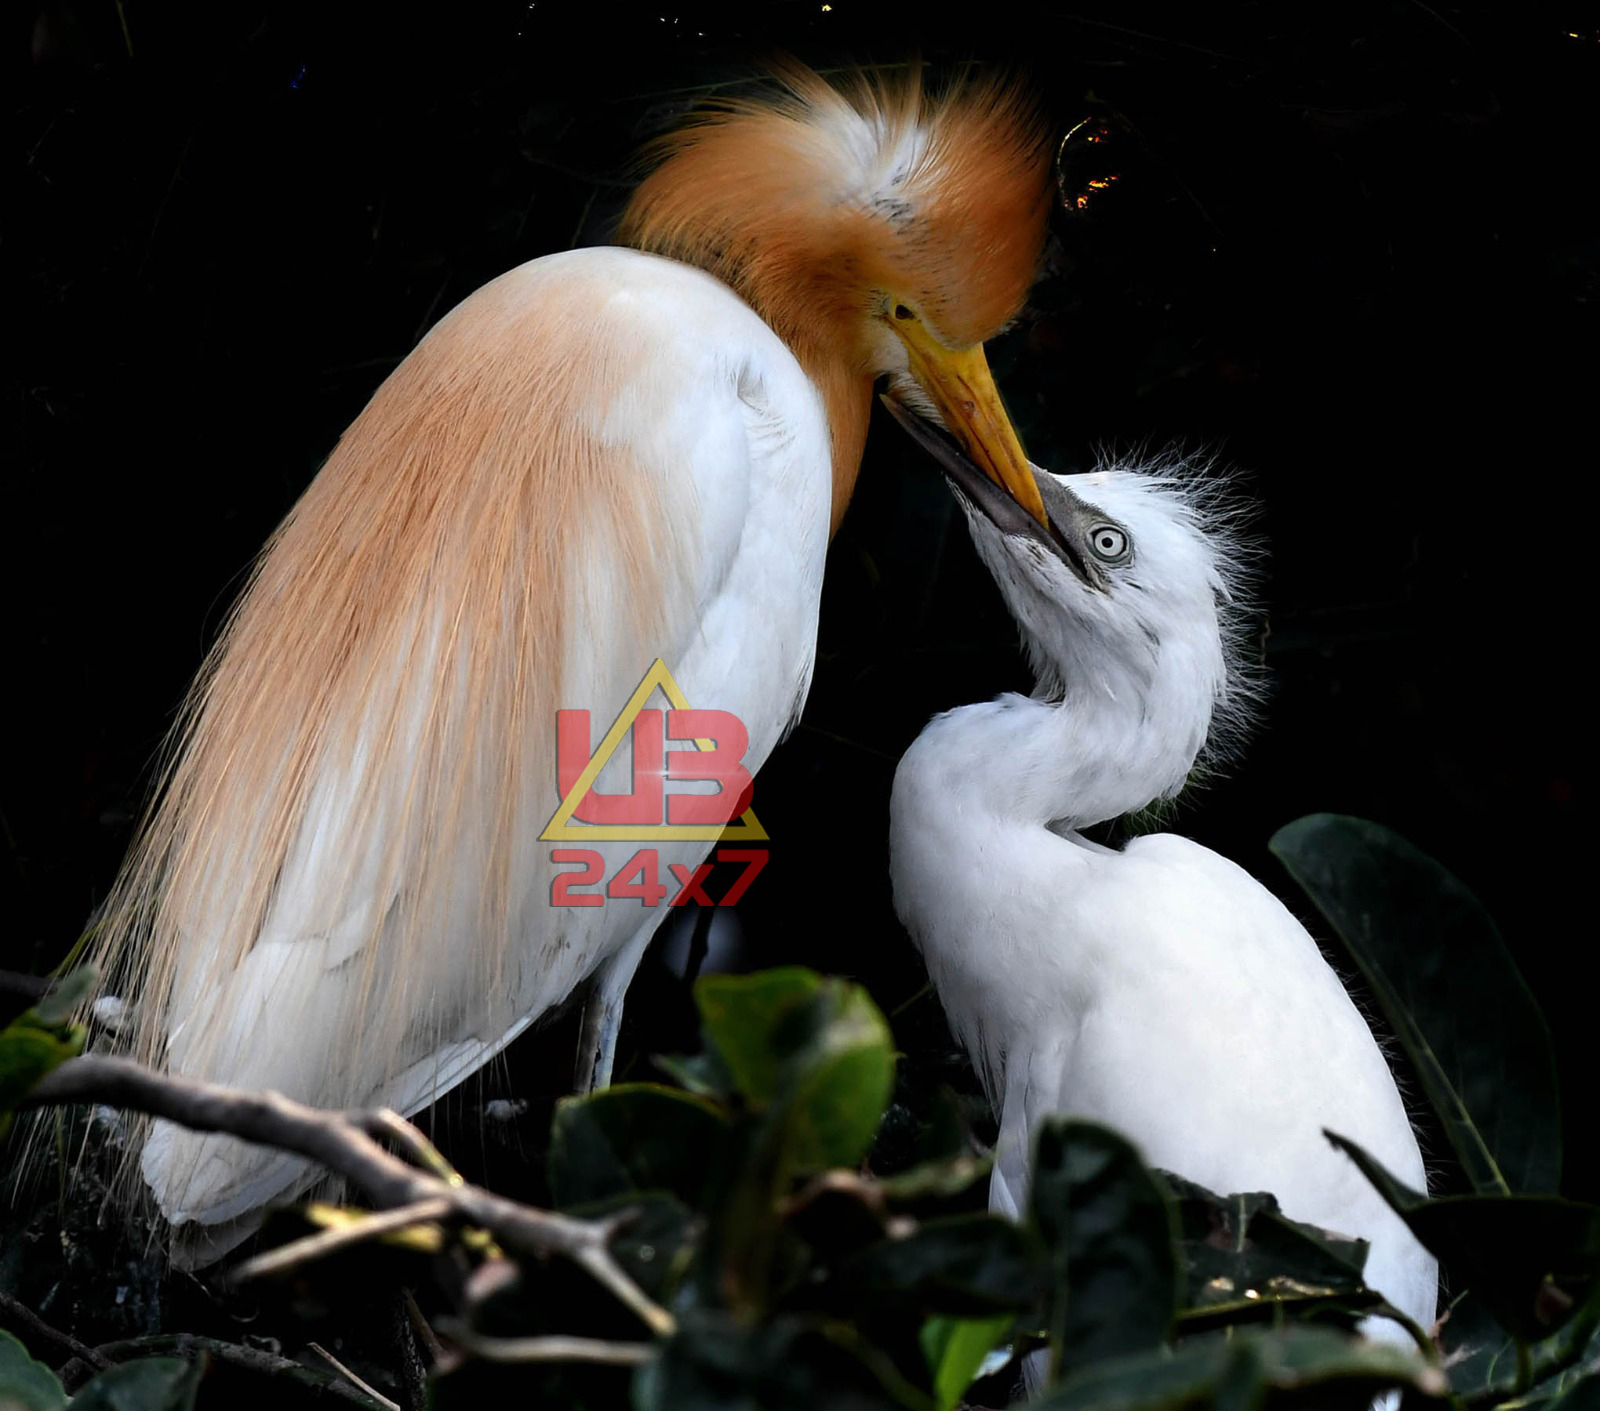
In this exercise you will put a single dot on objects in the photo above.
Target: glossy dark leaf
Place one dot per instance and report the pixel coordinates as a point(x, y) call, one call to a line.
point(1582, 1395)
point(1482, 1357)
point(1111, 1242)
point(970, 1266)
point(1245, 1261)
point(654, 1245)
point(27, 1385)
point(1481, 1354)
point(1298, 1367)
point(716, 1364)
point(1448, 987)
point(635, 1137)
point(155, 1384)
point(701, 1073)
point(837, 1214)
point(1533, 1260)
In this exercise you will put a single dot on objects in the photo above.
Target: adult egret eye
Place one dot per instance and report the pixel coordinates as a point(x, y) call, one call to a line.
point(1108, 543)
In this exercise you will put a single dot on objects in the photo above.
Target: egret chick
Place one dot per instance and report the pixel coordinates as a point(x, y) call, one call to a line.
point(1158, 988)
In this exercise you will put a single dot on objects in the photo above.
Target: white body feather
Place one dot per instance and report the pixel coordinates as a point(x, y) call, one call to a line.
point(1159, 989)
point(713, 415)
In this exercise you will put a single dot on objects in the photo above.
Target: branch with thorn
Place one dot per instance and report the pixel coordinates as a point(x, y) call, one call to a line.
point(351, 1144)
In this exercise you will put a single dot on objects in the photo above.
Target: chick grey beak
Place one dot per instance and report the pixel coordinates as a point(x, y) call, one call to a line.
point(977, 489)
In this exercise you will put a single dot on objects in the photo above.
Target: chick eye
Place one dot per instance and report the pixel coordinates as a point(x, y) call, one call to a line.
point(1108, 543)
point(902, 312)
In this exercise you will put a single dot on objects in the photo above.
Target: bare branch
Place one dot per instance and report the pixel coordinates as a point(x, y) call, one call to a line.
point(551, 1349)
point(251, 1359)
point(353, 1379)
point(424, 1330)
point(344, 1143)
point(409, 1139)
point(29, 987)
point(35, 1324)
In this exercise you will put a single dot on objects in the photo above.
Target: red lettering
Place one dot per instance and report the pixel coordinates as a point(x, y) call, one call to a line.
point(754, 860)
point(722, 765)
point(693, 889)
point(593, 866)
point(640, 808)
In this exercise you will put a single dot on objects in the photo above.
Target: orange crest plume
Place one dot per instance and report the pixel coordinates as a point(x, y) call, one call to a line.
point(809, 201)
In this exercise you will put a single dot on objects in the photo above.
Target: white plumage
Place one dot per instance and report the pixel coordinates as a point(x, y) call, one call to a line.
point(1157, 988)
point(736, 465)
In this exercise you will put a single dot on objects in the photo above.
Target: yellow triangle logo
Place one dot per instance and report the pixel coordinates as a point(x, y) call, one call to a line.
point(562, 829)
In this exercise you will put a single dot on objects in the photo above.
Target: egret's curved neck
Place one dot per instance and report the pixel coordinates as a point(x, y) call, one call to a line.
point(810, 310)
point(1082, 761)
point(975, 795)
point(806, 303)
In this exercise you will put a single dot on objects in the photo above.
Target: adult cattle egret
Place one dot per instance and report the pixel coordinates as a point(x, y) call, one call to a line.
point(1159, 989)
point(602, 458)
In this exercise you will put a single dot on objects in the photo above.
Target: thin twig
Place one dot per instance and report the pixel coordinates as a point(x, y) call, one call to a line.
point(409, 1138)
point(551, 1349)
point(605, 1270)
point(424, 1330)
point(344, 1144)
point(251, 1359)
point(30, 987)
point(353, 1379)
point(34, 1323)
point(326, 1242)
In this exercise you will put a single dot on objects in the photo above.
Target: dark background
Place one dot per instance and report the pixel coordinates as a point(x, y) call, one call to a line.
point(1350, 251)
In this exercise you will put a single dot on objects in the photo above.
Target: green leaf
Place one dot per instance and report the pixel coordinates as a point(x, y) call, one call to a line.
point(1295, 1367)
point(742, 1014)
point(840, 1100)
point(1247, 1261)
point(26, 1385)
point(156, 1384)
point(818, 1048)
point(41, 1039)
point(634, 1137)
point(1110, 1236)
point(1531, 1259)
point(27, 1053)
point(955, 1349)
point(1448, 987)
